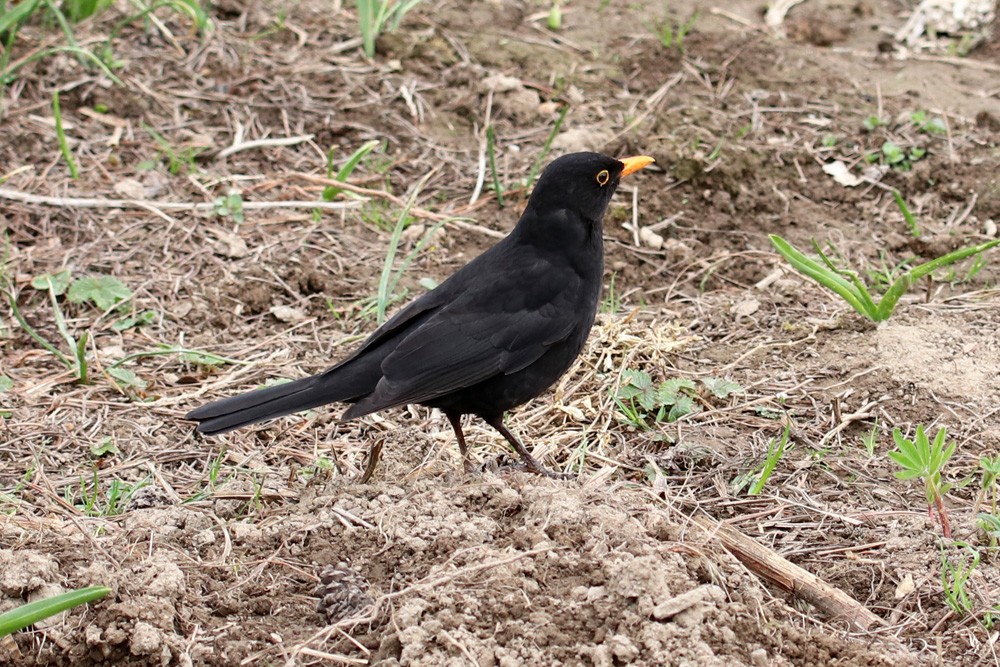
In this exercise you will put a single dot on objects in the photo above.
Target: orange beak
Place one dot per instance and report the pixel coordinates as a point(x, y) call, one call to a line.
point(635, 163)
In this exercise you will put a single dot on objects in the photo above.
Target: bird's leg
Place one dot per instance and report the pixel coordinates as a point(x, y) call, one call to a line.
point(530, 462)
point(456, 423)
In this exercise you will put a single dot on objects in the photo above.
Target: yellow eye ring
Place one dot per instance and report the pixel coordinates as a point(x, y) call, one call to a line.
point(603, 177)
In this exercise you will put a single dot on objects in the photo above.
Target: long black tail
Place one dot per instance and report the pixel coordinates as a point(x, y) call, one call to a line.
point(269, 403)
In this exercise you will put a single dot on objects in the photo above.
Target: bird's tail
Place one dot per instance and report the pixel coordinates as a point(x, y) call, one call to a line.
point(263, 404)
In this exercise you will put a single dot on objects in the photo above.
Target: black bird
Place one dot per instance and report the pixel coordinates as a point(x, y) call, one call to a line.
point(494, 335)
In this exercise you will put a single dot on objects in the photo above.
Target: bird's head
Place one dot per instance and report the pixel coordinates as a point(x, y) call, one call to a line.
point(582, 183)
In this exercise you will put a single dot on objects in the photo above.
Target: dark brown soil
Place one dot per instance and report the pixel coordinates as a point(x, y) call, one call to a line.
point(218, 551)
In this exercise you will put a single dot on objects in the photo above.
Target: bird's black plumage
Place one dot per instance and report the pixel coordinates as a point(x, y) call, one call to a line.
point(494, 335)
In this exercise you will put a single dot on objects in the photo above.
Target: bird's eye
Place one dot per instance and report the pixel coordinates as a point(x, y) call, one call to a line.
point(603, 177)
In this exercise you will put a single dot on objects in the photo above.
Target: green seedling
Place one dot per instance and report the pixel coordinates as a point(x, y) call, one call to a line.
point(375, 16)
point(911, 221)
point(537, 165)
point(933, 125)
point(331, 191)
point(230, 206)
point(871, 122)
point(28, 614)
point(142, 318)
point(776, 448)
point(179, 159)
point(955, 577)
point(990, 525)
point(643, 403)
point(612, 300)
point(671, 33)
point(389, 280)
point(896, 157)
point(870, 439)
point(923, 459)
point(849, 286)
point(491, 152)
point(640, 400)
point(554, 20)
point(74, 172)
point(989, 469)
point(93, 502)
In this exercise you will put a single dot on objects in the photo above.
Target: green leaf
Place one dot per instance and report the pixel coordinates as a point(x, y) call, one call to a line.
point(54, 282)
point(127, 378)
point(684, 405)
point(103, 291)
point(23, 616)
point(6, 384)
point(201, 358)
point(669, 391)
point(104, 447)
point(145, 317)
point(721, 387)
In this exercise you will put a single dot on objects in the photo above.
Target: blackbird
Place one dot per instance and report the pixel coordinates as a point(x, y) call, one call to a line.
point(494, 335)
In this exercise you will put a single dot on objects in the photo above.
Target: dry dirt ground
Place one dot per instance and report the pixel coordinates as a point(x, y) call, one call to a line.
point(218, 551)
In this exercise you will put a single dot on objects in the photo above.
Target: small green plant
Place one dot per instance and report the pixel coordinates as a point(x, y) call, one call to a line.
point(776, 448)
point(375, 16)
point(180, 160)
point(331, 191)
point(389, 279)
point(230, 206)
point(554, 20)
point(870, 439)
point(74, 172)
point(924, 459)
point(671, 32)
point(643, 403)
point(537, 164)
point(989, 469)
point(92, 501)
point(896, 157)
point(932, 125)
point(955, 576)
point(21, 617)
point(871, 122)
point(491, 153)
point(849, 286)
point(612, 302)
point(990, 525)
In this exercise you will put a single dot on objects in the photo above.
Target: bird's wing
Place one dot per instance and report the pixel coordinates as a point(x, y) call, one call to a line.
point(501, 324)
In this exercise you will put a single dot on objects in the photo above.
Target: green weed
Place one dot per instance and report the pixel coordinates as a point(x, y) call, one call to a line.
point(924, 459)
point(955, 576)
point(776, 449)
point(74, 172)
point(849, 286)
point(376, 16)
point(331, 191)
point(671, 32)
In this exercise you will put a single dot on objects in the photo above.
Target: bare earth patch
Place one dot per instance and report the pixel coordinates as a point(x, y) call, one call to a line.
point(261, 547)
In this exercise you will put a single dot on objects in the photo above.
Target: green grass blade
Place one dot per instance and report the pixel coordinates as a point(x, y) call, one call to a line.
point(382, 299)
point(27, 614)
point(545, 148)
point(922, 270)
point(37, 337)
point(366, 25)
point(13, 16)
point(821, 275)
point(491, 152)
point(61, 136)
point(860, 289)
point(905, 281)
point(345, 172)
point(911, 222)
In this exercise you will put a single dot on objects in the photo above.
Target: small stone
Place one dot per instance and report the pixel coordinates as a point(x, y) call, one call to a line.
point(287, 314)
